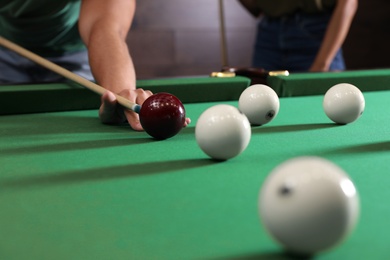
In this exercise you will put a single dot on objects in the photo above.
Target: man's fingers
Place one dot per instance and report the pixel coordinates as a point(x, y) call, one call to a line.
point(133, 120)
point(108, 111)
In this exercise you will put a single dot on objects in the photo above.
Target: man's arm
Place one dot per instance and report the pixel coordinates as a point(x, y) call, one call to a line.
point(103, 26)
point(336, 33)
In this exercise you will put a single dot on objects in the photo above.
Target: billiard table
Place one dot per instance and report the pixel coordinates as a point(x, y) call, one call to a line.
point(317, 83)
point(73, 188)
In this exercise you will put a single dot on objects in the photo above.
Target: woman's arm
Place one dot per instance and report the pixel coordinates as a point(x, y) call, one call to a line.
point(336, 33)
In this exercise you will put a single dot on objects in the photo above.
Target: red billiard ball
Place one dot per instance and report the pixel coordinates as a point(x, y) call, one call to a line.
point(162, 115)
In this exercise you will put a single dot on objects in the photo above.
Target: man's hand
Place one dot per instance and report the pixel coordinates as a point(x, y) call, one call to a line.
point(111, 112)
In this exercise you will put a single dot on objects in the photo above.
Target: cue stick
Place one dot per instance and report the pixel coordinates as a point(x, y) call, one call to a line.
point(66, 73)
point(222, 31)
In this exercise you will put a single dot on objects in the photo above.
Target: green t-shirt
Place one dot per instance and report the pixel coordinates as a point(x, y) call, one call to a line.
point(46, 27)
point(278, 8)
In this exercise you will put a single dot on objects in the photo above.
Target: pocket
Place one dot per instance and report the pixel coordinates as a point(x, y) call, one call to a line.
point(313, 25)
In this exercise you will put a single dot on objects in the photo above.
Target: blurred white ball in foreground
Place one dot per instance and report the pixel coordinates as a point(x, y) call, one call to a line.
point(308, 204)
point(343, 103)
point(222, 132)
point(259, 103)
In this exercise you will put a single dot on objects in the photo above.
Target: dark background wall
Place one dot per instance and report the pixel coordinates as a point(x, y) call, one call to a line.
point(368, 42)
point(181, 37)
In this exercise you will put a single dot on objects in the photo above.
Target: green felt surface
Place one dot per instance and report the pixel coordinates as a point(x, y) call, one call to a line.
point(304, 84)
point(72, 188)
point(19, 99)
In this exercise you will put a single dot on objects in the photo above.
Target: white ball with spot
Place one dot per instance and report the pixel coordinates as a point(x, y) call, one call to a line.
point(308, 204)
point(259, 103)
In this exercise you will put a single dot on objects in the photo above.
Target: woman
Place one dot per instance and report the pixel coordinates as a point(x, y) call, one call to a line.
point(301, 35)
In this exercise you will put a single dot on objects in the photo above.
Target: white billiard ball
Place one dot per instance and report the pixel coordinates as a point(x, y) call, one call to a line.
point(308, 204)
point(222, 132)
point(259, 103)
point(343, 103)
